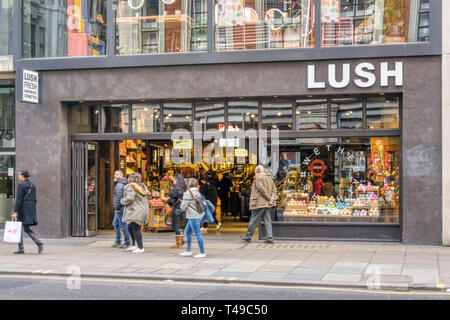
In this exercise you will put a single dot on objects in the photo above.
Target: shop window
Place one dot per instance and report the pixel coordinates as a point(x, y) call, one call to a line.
point(242, 115)
point(6, 27)
point(177, 116)
point(312, 114)
point(115, 118)
point(160, 26)
point(424, 21)
point(362, 22)
point(346, 113)
point(263, 24)
point(84, 118)
point(339, 180)
point(146, 117)
point(69, 28)
point(277, 115)
point(382, 113)
point(210, 115)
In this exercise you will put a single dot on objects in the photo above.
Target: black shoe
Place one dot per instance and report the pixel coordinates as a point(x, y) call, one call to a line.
point(19, 252)
point(115, 245)
point(40, 248)
point(268, 241)
point(244, 238)
point(123, 246)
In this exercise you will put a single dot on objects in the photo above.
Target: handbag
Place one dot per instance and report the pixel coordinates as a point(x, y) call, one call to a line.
point(208, 217)
point(13, 231)
point(201, 206)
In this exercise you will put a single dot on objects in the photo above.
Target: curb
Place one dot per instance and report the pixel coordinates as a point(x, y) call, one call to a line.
point(332, 285)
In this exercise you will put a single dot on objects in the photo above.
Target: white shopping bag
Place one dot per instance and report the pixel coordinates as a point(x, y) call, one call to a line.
point(13, 231)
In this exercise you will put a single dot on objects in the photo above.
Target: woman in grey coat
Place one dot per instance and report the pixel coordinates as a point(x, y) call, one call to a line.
point(194, 216)
point(136, 209)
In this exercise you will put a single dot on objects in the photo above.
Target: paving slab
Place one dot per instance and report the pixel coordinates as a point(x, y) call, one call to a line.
point(339, 277)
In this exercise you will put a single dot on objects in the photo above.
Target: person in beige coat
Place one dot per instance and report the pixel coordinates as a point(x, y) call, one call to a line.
point(262, 199)
point(136, 209)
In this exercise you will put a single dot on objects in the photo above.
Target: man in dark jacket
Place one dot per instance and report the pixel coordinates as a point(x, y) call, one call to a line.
point(25, 210)
point(208, 190)
point(118, 225)
point(223, 189)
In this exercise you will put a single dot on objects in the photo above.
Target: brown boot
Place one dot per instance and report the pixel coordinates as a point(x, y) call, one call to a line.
point(183, 239)
point(178, 244)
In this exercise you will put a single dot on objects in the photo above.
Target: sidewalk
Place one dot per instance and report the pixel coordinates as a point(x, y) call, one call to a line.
point(342, 264)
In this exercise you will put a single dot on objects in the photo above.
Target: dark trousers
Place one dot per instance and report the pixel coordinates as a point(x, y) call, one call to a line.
point(135, 234)
point(224, 208)
point(31, 234)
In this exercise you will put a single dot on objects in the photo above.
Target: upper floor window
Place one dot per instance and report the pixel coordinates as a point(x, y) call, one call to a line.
point(160, 26)
point(69, 28)
point(263, 24)
point(362, 22)
point(6, 27)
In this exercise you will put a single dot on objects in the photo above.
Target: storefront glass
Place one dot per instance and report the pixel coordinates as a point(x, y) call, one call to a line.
point(263, 24)
point(84, 118)
point(7, 145)
point(383, 113)
point(243, 115)
point(362, 22)
point(277, 115)
point(64, 28)
point(339, 180)
point(312, 114)
point(160, 26)
point(146, 117)
point(115, 118)
point(211, 115)
point(6, 27)
point(177, 116)
point(346, 113)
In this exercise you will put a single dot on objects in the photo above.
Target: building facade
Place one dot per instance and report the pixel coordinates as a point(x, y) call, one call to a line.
point(340, 97)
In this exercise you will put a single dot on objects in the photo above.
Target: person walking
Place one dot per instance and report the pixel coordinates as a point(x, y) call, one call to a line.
point(136, 210)
point(194, 215)
point(223, 189)
point(209, 191)
point(262, 199)
point(25, 210)
point(118, 225)
point(174, 201)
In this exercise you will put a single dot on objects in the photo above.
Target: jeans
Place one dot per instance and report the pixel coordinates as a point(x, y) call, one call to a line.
point(135, 233)
point(214, 214)
point(119, 225)
point(177, 213)
point(194, 225)
point(257, 214)
point(32, 236)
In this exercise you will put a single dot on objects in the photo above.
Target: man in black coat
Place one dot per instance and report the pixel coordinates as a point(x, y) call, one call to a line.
point(25, 210)
point(118, 225)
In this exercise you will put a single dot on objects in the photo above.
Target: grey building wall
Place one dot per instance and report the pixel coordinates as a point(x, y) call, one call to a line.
point(43, 143)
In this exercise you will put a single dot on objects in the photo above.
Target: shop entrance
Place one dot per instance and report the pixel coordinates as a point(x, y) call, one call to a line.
point(158, 161)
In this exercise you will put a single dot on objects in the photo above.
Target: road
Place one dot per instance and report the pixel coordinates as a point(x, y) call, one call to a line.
point(49, 288)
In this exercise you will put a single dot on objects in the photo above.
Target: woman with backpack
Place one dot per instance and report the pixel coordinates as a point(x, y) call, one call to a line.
point(193, 205)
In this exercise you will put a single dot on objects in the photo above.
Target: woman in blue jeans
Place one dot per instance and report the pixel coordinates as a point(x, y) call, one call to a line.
point(194, 216)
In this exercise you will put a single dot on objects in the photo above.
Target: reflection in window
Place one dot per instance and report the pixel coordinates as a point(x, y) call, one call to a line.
point(277, 115)
point(312, 114)
point(64, 28)
point(160, 26)
point(339, 180)
point(177, 116)
point(382, 113)
point(6, 27)
point(346, 113)
point(242, 115)
point(84, 118)
point(354, 22)
point(7, 117)
point(263, 24)
point(210, 115)
point(146, 118)
point(115, 119)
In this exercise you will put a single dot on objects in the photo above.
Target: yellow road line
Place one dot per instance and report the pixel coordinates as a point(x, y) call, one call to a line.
point(37, 271)
point(46, 272)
